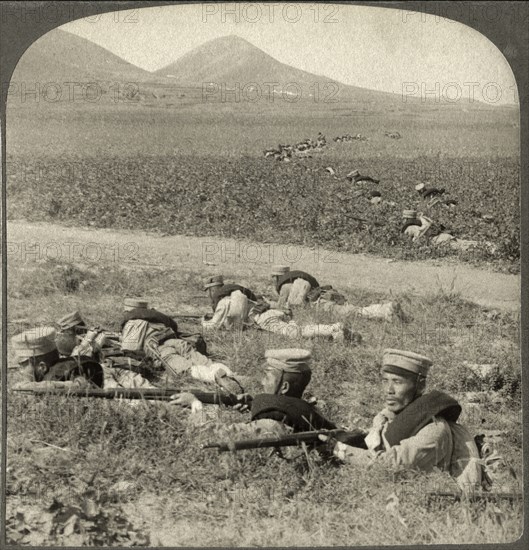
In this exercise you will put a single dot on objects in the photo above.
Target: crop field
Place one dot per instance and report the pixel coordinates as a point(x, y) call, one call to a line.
point(204, 173)
point(97, 472)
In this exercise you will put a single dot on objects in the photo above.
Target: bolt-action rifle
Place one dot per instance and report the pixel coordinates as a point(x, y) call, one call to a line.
point(355, 438)
point(148, 394)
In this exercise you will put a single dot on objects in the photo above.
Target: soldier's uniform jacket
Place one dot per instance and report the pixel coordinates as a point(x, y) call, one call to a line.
point(225, 290)
point(151, 316)
point(291, 411)
point(291, 276)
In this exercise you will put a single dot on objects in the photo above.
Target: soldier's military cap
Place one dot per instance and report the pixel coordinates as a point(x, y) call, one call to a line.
point(419, 186)
point(133, 303)
point(279, 269)
point(396, 361)
point(216, 280)
point(291, 360)
point(34, 343)
point(66, 341)
point(409, 214)
point(71, 320)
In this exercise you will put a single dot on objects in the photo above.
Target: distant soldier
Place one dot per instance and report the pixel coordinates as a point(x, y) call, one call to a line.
point(418, 226)
point(356, 177)
point(238, 307)
point(156, 335)
point(429, 192)
point(297, 288)
point(230, 302)
point(292, 286)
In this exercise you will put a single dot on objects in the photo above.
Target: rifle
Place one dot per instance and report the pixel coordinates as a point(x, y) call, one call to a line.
point(354, 438)
point(187, 317)
point(475, 496)
point(148, 394)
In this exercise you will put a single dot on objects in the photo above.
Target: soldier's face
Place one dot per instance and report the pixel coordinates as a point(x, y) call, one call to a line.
point(399, 391)
point(270, 381)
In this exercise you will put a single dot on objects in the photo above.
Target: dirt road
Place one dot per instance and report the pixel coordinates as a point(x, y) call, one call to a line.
point(31, 241)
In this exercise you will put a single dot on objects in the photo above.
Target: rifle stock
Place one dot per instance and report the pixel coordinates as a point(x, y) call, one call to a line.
point(148, 394)
point(354, 438)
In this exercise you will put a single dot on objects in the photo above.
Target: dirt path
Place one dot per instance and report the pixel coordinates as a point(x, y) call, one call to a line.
point(29, 241)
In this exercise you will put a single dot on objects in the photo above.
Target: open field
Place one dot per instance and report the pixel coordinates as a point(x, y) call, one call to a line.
point(106, 473)
point(185, 171)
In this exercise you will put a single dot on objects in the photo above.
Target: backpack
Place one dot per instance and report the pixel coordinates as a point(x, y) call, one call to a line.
point(327, 293)
point(133, 335)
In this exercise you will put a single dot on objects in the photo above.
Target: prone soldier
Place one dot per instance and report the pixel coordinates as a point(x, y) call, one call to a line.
point(280, 409)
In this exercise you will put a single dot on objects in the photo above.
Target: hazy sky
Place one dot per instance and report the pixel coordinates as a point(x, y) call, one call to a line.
point(379, 48)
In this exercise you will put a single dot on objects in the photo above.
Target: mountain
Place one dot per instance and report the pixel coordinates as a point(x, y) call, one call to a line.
point(60, 56)
point(231, 60)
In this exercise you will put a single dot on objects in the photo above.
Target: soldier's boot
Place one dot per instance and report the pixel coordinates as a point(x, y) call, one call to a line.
point(377, 311)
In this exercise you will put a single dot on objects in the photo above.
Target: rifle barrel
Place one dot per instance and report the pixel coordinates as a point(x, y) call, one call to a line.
point(149, 394)
point(354, 438)
point(476, 495)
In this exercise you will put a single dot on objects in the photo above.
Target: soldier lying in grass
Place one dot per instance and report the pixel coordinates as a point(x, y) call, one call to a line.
point(39, 358)
point(155, 334)
point(236, 306)
point(279, 410)
point(417, 430)
point(297, 288)
point(421, 228)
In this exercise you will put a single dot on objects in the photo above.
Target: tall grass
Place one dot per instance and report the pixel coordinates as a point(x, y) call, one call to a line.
point(114, 473)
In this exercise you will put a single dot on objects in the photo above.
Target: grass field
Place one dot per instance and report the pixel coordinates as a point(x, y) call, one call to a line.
point(106, 473)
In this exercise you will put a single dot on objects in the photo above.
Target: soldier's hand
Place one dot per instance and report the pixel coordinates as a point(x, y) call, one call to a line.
point(186, 399)
point(340, 450)
point(244, 401)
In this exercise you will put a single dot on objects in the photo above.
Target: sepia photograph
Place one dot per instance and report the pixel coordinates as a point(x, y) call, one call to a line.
point(261, 274)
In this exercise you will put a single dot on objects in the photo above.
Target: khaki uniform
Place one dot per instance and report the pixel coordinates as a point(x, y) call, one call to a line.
point(294, 294)
point(231, 312)
point(182, 357)
point(430, 448)
point(279, 322)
